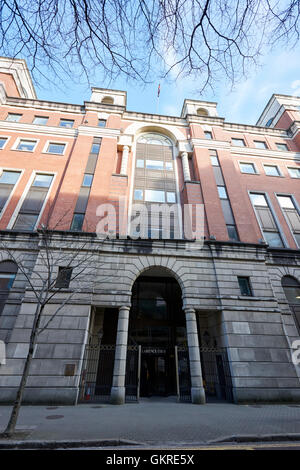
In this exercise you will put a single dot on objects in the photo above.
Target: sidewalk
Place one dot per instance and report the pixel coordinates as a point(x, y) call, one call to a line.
point(156, 421)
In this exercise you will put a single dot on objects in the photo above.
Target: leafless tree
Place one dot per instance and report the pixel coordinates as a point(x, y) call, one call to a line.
point(144, 40)
point(46, 284)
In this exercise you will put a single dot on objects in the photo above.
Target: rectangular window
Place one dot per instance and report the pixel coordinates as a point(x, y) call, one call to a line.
point(281, 146)
point(208, 135)
point(171, 197)
point(154, 165)
point(214, 160)
point(7, 181)
point(291, 214)
point(294, 172)
point(13, 117)
point(247, 168)
point(232, 232)
point(87, 180)
point(41, 180)
point(57, 148)
point(222, 192)
point(64, 277)
point(272, 170)
point(268, 224)
point(95, 148)
point(245, 286)
point(66, 123)
point(25, 221)
point(41, 120)
point(3, 141)
point(26, 145)
point(153, 195)
point(238, 142)
point(140, 163)
point(138, 194)
point(101, 122)
point(260, 144)
point(77, 222)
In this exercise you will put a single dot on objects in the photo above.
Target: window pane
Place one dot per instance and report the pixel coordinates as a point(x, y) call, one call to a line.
point(169, 165)
point(294, 172)
point(13, 117)
point(26, 145)
point(171, 197)
point(101, 122)
point(222, 192)
point(95, 148)
point(281, 146)
point(154, 165)
point(260, 144)
point(9, 177)
point(43, 181)
point(6, 282)
point(64, 277)
point(138, 194)
point(244, 284)
point(238, 142)
point(271, 170)
point(87, 180)
point(66, 123)
point(247, 168)
point(232, 233)
point(42, 120)
point(152, 195)
point(25, 221)
point(258, 200)
point(77, 222)
point(208, 135)
point(273, 239)
point(2, 142)
point(286, 201)
point(140, 163)
point(56, 148)
point(214, 160)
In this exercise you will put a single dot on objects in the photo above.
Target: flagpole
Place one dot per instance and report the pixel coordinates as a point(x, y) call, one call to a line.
point(157, 102)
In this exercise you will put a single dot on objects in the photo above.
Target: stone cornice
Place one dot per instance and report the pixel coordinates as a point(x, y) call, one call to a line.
point(265, 153)
point(98, 131)
point(210, 144)
point(255, 129)
point(158, 118)
point(45, 105)
point(100, 107)
point(211, 120)
point(37, 129)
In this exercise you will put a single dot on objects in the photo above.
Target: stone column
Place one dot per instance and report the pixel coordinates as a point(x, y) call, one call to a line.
point(197, 390)
point(125, 155)
point(117, 396)
point(185, 166)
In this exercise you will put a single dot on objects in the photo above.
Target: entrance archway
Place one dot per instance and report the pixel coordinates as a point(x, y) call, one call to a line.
point(157, 323)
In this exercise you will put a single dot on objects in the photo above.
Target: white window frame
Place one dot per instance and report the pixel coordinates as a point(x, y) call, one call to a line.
point(278, 168)
point(297, 207)
point(280, 231)
point(25, 192)
point(260, 148)
point(18, 140)
point(7, 139)
point(54, 142)
point(22, 171)
point(293, 168)
point(256, 172)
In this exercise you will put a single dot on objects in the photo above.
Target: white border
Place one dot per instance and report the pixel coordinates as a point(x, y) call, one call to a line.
point(278, 169)
point(256, 172)
point(7, 137)
point(48, 142)
point(293, 168)
point(18, 141)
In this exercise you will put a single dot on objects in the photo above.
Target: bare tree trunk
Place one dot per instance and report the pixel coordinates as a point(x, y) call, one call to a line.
point(10, 428)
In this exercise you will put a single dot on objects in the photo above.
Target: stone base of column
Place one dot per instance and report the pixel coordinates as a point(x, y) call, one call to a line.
point(198, 395)
point(117, 395)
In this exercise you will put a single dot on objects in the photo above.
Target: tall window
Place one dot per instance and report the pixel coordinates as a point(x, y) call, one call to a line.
point(291, 289)
point(154, 184)
point(33, 202)
point(8, 180)
point(291, 214)
point(8, 271)
point(266, 219)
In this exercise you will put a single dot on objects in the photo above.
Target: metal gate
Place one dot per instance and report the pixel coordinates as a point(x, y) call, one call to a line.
point(97, 372)
point(183, 376)
point(216, 373)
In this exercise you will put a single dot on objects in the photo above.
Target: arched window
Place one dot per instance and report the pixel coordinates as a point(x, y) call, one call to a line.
point(202, 112)
point(291, 289)
point(8, 271)
point(154, 139)
point(107, 100)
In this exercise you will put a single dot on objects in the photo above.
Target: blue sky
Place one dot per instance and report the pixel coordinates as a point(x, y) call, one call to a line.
point(279, 72)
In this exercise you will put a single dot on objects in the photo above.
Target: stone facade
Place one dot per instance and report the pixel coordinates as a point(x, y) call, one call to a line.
point(257, 330)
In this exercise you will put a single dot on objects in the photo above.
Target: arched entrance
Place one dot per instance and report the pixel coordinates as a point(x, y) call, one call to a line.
point(157, 323)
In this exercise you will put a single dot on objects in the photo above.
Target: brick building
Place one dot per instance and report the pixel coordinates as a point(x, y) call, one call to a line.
point(156, 316)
